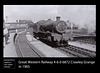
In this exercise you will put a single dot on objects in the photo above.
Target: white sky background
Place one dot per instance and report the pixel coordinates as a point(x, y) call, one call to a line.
point(79, 14)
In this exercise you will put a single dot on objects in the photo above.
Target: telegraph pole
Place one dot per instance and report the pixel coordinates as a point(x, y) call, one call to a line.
point(71, 31)
point(71, 28)
point(3, 23)
point(6, 19)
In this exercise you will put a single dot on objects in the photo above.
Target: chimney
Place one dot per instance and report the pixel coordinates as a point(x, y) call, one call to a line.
point(17, 21)
point(58, 18)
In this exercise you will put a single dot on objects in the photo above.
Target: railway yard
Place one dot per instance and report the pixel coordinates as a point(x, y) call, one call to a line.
point(53, 35)
point(49, 31)
point(49, 38)
point(25, 45)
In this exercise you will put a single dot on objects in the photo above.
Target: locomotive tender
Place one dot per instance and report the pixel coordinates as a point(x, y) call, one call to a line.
point(52, 32)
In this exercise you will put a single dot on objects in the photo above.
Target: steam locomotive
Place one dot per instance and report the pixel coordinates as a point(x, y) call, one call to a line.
point(52, 32)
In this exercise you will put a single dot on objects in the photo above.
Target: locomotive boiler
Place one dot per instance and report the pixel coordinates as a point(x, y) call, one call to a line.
point(51, 32)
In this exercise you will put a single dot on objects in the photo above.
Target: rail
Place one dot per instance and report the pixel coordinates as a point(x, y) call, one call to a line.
point(24, 48)
point(77, 51)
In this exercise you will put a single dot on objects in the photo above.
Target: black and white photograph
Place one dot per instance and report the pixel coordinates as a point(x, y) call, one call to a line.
point(62, 31)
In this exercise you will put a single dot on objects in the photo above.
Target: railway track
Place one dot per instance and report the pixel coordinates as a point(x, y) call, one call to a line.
point(24, 48)
point(74, 51)
point(78, 52)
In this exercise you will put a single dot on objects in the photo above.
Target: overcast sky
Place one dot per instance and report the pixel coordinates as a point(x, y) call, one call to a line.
point(79, 14)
